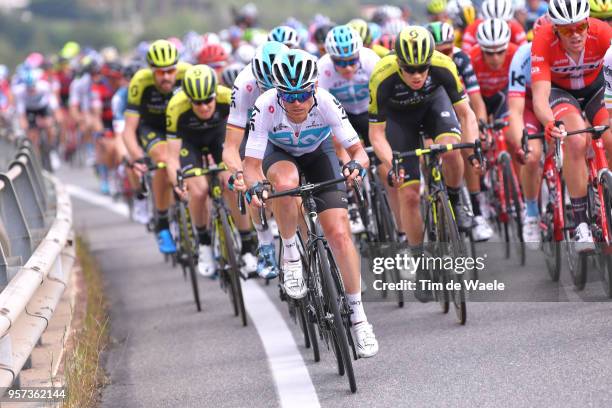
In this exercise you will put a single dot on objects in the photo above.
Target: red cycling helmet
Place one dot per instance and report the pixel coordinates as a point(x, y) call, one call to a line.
point(387, 41)
point(213, 55)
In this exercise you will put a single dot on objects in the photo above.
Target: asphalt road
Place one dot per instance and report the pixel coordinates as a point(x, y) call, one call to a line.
point(536, 344)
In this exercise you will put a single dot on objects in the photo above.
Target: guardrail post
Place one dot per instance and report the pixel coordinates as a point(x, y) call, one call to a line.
point(6, 356)
point(14, 220)
point(34, 175)
point(32, 207)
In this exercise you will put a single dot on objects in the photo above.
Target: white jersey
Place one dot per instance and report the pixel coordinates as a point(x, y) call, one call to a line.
point(269, 122)
point(352, 93)
point(244, 94)
point(40, 97)
point(80, 92)
point(607, 69)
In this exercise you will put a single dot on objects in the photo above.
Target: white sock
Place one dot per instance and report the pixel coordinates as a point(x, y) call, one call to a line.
point(355, 304)
point(290, 250)
point(264, 237)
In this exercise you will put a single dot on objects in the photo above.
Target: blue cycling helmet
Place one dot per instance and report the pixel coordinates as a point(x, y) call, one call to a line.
point(31, 76)
point(285, 35)
point(261, 64)
point(375, 31)
point(294, 71)
point(343, 42)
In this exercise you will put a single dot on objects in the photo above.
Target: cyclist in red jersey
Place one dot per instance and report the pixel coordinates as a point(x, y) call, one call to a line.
point(491, 60)
point(501, 9)
point(566, 62)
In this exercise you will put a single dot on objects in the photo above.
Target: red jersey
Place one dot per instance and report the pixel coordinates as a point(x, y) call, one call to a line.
point(550, 62)
point(517, 34)
point(491, 82)
point(102, 98)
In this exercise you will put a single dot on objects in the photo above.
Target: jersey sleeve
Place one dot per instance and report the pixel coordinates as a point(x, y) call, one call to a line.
point(516, 74)
point(241, 99)
point(135, 92)
point(224, 99)
point(258, 131)
point(469, 36)
point(74, 97)
point(607, 69)
point(173, 113)
point(19, 97)
point(466, 71)
point(382, 72)
point(519, 37)
point(449, 78)
point(337, 119)
point(540, 65)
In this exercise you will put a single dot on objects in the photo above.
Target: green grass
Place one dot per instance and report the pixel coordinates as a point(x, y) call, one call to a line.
point(84, 373)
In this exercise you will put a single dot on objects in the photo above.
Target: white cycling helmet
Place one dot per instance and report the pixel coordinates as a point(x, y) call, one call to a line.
point(285, 35)
point(563, 12)
point(393, 27)
point(502, 9)
point(244, 53)
point(343, 42)
point(493, 35)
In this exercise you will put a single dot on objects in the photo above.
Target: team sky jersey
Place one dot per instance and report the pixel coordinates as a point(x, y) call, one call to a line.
point(182, 122)
point(38, 98)
point(269, 122)
point(520, 72)
point(352, 93)
point(388, 91)
point(80, 92)
point(549, 62)
point(490, 81)
point(244, 94)
point(119, 105)
point(146, 101)
point(517, 34)
point(466, 71)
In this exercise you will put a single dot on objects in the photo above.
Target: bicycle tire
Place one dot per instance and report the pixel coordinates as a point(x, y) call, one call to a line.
point(438, 276)
point(389, 234)
point(514, 226)
point(606, 258)
point(551, 246)
point(310, 333)
point(339, 334)
point(233, 263)
point(453, 246)
point(576, 262)
point(188, 248)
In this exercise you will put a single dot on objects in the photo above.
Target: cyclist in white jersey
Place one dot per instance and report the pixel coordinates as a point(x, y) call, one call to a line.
point(249, 84)
point(291, 128)
point(345, 72)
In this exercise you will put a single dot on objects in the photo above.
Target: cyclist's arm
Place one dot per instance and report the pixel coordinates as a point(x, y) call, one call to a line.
point(516, 106)
point(478, 106)
point(231, 148)
point(379, 142)
point(541, 107)
point(173, 164)
point(468, 122)
point(130, 138)
point(341, 152)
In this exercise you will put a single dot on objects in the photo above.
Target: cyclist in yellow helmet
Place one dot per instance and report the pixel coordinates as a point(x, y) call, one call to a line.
point(601, 9)
point(419, 88)
point(363, 29)
point(149, 92)
point(436, 10)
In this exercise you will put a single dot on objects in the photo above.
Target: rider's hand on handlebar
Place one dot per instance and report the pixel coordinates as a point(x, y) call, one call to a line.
point(139, 167)
point(554, 130)
point(183, 193)
point(236, 182)
point(255, 194)
point(394, 180)
point(353, 171)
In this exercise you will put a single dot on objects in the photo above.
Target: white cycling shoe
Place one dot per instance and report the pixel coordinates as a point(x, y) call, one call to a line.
point(531, 232)
point(293, 279)
point(365, 340)
point(249, 264)
point(206, 264)
point(482, 230)
point(140, 213)
point(583, 240)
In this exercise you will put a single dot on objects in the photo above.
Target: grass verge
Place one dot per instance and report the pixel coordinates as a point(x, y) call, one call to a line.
point(84, 373)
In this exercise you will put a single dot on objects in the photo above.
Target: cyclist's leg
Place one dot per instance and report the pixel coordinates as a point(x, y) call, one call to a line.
point(531, 172)
point(597, 114)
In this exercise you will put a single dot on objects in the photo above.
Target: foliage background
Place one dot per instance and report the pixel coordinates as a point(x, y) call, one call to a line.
point(45, 25)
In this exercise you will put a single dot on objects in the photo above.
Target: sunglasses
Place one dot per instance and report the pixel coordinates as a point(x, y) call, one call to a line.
point(296, 97)
point(343, 63)
point(204, 101)
point(162, 71)
point(568, 31)
point(413, 69)
point(492, 53)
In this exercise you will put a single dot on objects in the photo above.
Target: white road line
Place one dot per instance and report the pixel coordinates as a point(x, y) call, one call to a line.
point(293, 384)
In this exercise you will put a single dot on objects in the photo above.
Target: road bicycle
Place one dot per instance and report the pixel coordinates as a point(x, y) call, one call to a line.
point(441, 231)
point(325, 302)
point(503, 188)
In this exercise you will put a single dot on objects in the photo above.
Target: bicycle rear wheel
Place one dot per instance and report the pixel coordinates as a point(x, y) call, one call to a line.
point(605, 257)
point(188, 250)
point(388, 234)
point(234, 265)
point(333, 303)
point(454, 247)
point(514, 208)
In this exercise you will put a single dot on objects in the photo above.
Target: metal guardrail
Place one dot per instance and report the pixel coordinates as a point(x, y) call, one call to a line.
point(36, 255)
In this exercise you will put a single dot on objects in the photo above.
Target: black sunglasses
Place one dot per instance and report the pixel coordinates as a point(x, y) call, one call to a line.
point(491, 53)
point(413, 69)
point(204, 101)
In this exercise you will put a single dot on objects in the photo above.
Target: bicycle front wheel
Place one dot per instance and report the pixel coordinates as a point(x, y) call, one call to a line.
point(514, 208)
point(606, 257)
point(333, 302)
point(233, 263)
point(187, 246)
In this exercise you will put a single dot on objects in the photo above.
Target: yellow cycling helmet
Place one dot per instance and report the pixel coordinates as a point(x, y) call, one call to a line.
point(601, 8)
point(436, 6)
point(362, 27)
point(162, 54)
point(414, 45)
point(200, 83)
point(70, 50)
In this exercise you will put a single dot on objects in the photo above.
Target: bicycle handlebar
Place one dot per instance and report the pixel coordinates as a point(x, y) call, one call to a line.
point(596, 130)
